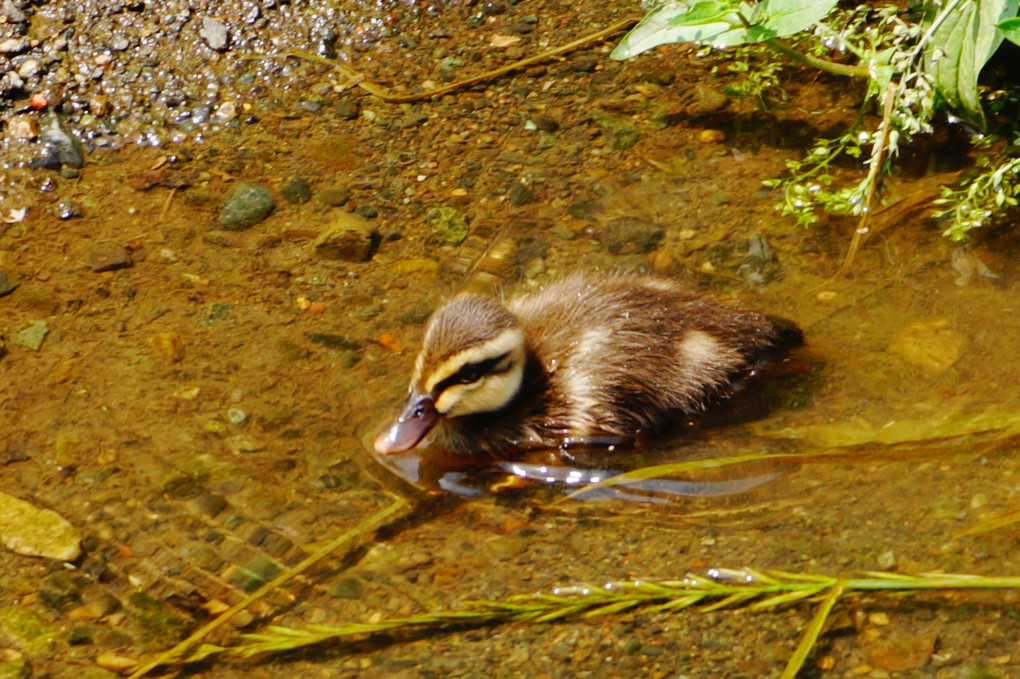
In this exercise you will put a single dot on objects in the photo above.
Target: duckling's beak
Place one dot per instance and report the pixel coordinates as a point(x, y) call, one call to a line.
point(417, 420)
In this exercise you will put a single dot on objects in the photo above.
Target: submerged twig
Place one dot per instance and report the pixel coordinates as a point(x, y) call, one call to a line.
point(880, 148)
point(356, 78)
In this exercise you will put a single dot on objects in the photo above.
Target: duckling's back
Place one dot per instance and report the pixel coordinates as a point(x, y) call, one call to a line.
point(624, 355)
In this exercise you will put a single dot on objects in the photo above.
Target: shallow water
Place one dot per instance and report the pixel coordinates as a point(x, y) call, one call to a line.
point(907, 385)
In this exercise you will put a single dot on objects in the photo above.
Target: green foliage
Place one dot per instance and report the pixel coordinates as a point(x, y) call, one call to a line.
point(916, 66)
point(985, 196)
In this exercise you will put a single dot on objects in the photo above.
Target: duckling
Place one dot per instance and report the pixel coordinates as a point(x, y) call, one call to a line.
point(594, 360)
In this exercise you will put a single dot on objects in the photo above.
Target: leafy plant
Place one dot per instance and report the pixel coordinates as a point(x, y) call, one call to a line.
point(915, 66)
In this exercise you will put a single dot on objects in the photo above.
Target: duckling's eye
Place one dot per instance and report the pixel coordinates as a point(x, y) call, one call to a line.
point(469, 373)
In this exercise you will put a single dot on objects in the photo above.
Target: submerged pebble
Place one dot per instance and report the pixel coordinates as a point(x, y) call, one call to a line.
point(929, 344)
point(449, 225)
point(247, 205)
point(349, 237)
point(33, 531)
point(30, 335)
point(631, 235)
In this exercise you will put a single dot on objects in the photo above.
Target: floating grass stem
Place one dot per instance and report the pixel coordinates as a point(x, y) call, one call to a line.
point(757, 590)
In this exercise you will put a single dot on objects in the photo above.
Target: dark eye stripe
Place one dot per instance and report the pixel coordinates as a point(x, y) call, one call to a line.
point(472, 372)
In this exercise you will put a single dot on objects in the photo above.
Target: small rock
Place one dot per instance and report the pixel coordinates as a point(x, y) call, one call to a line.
point(656, 74)
point(247, 205)
point(33, 531)
point(296, 190)
point(366, 211)
point(61, 144)
point(451, 63)
point(349, 237)
point(347, 109)
point(545, 123)
point(348, 588)
point(584, 64)
point(902, 652)
point(490, 8)
point(169, 346)
point(521, 194)
point(449, 224)
point(244, 444)
point(214, 33)
point(416, 265)
point(708, 101)
point(8, 280)
point(932, 345)
point(14, 15)
point(631, 235)
point(118, 43)
point(711, 136)
point(23, 127)
point(70, 209)
point(109, 258)
point(335, 197)
point(25, 629)
point(620, 131)
point(13, 45)
point(30, 335)
point(412, 120)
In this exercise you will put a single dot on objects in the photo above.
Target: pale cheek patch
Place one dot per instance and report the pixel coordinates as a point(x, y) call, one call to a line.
point(491, 393)
point(510, 340)
point(700, 348)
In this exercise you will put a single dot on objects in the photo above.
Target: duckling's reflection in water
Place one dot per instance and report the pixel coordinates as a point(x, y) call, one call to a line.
point(430, 468)
point(721, 432)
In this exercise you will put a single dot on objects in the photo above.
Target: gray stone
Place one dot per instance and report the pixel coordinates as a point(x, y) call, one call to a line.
point(214, 33)
point(11, 11)
point(631, 235)
point(296, 190)
point(348, 237)
point(61, 141)
point(247, 205)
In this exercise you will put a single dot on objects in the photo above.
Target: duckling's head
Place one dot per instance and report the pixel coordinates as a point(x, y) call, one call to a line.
point(472, 361)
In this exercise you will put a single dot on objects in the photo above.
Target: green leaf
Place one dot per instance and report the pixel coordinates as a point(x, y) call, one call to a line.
point(786, 17)
point(721, 23)
point(710, 22)
point(1011, 29)
point(960, 46)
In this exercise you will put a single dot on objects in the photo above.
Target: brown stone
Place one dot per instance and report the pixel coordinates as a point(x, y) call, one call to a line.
point(109, 258)
point(349, 237)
